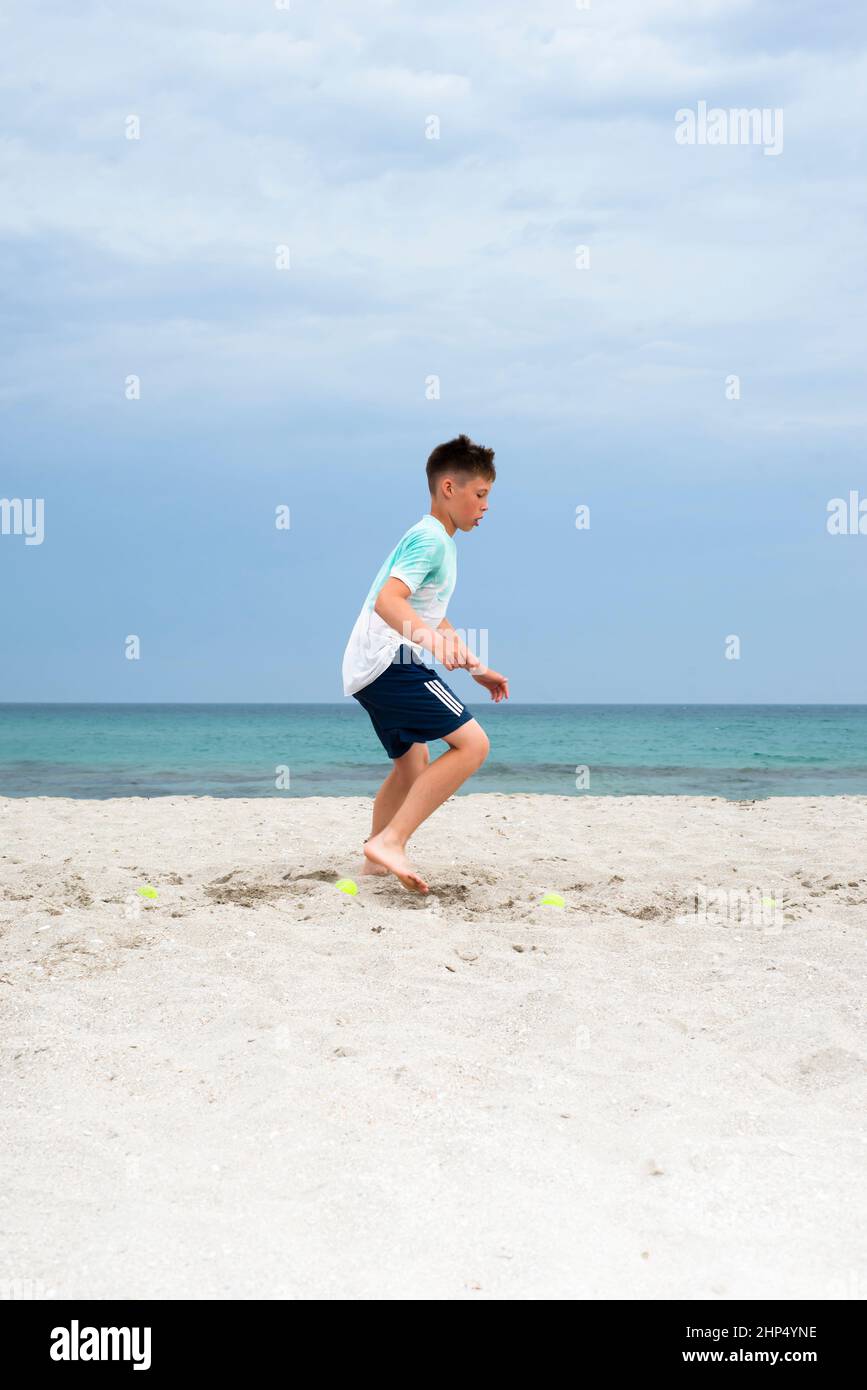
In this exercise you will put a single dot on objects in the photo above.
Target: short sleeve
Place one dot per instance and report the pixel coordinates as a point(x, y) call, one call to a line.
point(418, 556)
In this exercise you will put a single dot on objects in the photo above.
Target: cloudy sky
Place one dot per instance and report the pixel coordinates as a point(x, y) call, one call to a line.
point(412, 258)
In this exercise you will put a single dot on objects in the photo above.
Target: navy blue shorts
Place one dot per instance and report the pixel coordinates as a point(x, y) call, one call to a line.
point(409, 704)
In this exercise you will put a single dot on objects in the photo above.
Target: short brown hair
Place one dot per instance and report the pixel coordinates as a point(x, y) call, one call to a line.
point(460, 457)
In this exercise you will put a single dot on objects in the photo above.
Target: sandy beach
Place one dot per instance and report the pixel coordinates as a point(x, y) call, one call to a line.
point(253, 1085)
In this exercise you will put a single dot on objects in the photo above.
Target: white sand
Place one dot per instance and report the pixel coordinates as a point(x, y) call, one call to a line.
point(257, 1087)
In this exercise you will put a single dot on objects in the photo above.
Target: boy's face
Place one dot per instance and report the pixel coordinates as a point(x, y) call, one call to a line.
point(466, 502)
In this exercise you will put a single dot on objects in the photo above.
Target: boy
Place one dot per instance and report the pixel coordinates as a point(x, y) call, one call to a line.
point(383, 665)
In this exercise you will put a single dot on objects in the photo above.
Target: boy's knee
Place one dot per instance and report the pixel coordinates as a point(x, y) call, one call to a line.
point(471, 742)
point(481, 746)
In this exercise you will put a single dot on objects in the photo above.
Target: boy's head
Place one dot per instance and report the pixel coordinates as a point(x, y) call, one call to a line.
point(460, 476)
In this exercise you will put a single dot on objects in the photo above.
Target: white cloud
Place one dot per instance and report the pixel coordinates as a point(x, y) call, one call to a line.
point(306, 127)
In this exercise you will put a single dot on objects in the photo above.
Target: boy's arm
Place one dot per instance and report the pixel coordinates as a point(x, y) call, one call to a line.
point(393, 607)
point(492, 680)
point(473, 662)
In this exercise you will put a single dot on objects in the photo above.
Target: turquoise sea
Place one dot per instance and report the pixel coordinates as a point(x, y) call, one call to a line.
point(734, 751)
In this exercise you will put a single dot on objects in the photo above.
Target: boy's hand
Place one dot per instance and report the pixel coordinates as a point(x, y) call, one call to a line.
point(451, 652)
point(493, 681)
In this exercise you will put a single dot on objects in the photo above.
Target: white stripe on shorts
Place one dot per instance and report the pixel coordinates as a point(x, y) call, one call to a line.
point(441, 687)
point(445, 695)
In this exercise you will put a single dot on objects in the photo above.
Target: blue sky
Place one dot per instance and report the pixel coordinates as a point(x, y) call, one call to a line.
point(412, 257)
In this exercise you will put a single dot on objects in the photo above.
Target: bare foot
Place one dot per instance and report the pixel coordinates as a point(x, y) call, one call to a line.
point(367, 868)
point(390, 854)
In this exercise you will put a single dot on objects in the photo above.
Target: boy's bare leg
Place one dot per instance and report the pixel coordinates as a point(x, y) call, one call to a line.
point(392, 795)
point(387, 848)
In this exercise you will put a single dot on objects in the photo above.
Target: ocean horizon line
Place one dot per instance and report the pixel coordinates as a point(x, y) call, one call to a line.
point(342, 704)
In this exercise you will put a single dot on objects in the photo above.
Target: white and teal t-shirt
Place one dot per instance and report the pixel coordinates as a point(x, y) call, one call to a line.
point(426, 560)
